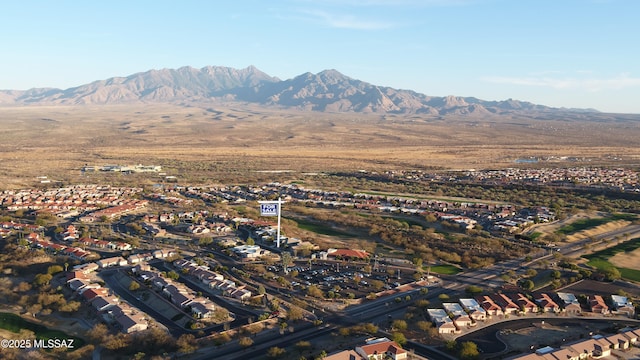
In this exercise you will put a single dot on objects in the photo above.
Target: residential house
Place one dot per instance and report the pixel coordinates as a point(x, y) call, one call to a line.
point(570, 303)
point(489, 306)
point(442, 321)
point(176, 296)
point(101, 303)
point(460, 317)
point(132, 323)
point(565, 354)
point(77, 284)
point(91, 294)
point(159, 283)
point(475, 311)
point(135, 259)
point(200, 310)
point(122, 246)
point(241, 293)
point(618, 341)
point(163, 254)
point(589, 348)
point(382, 350)
point(507, 305)
point(86, 268)
point(632, 335)
point(597, 304)
point(526, 305)
point(113, 261)
point(344, 355)
point(70, 234)
point(546, 303)
point(76, 275)
point(622, 305)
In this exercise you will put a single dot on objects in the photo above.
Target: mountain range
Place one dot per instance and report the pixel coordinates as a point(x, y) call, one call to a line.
point(327, 91)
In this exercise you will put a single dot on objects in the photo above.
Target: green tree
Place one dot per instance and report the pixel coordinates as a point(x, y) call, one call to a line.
point(303, 345)
point(275, 352)
point(295, 313)
point(54, 269)
point(399, 325)
point(531, 272)
point(245, 341)
point(424, 325)
point(469, 350)
point(42, 279)
point(133, 285)
point(315, 291)
point(399, 338)
point(527, 285)
point(611, 273)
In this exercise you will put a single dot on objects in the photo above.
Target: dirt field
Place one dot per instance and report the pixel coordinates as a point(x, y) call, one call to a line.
point(543, 334)
point(627, 260)
point(592, 287)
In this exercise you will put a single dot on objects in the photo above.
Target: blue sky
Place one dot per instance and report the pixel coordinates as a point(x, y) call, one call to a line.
point(563, 53)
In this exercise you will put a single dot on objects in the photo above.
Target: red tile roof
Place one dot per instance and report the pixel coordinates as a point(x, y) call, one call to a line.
point(383, 347)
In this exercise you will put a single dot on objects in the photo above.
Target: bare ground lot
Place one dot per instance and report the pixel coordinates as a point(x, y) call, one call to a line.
point(219, 144)
point(520, 334)
point(629, 260)
point(592, 287)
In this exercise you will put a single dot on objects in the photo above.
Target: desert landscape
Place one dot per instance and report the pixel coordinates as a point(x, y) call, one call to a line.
point(222, 141)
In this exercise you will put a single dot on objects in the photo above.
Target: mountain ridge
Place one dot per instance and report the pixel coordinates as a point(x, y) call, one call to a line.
point(326, 91)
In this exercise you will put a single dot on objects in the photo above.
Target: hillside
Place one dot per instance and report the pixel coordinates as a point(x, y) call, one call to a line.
point(327, 91)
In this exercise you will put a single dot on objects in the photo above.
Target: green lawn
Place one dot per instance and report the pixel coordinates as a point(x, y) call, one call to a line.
point(445, 269)
point(591, 223)
point(600, 263)
point(15, 323)
point(534, 235)
point(631, 274)
point(320, 228)
point(600, 259)
point(583, 225)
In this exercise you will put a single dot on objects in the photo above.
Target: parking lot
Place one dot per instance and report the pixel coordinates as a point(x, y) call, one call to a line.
point(341, 280)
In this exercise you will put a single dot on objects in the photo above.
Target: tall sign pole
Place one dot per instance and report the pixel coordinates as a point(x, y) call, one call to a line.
point(279, 212)
point(272, 208)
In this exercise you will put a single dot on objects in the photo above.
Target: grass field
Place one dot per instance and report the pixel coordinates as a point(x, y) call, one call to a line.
point(320, 228)
point(601, 259)
point(15, 323)
point(445, 269)
point(583, 224)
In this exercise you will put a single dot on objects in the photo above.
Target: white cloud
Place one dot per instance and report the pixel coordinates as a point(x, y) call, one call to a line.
point(618, 82)
point(345, 21)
